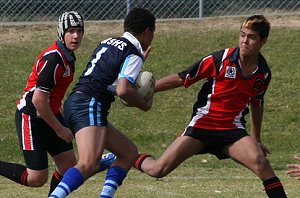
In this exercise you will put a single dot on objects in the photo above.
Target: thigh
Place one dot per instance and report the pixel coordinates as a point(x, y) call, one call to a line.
point(118, 143)
point(122, 147)
point(90, 143)
point(180, 150)
point(34, 151)
point(36, 160)
point(248, 152)
point(64, 161)
point(54, 144)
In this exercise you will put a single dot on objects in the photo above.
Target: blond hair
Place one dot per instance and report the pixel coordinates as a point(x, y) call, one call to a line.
point(259, 24)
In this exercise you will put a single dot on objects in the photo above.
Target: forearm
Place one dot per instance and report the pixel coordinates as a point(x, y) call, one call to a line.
point(129, 94)
point(256, 117)
point(168, 82)
point(40, 101)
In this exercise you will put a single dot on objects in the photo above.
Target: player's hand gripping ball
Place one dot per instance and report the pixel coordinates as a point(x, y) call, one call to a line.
point(145, 84)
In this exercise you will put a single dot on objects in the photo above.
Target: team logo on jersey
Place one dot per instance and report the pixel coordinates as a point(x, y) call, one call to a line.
point(67, 71)
point(230, 72)
point(258, 85)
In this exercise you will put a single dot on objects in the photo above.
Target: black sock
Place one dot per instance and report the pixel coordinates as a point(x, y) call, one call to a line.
point(15, 172)
point(56, 178)
point(274, 188)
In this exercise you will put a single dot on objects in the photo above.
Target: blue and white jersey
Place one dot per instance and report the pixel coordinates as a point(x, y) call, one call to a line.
point(114, 58)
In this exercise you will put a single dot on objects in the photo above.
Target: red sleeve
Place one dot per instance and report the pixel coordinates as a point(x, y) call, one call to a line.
point(204, 68)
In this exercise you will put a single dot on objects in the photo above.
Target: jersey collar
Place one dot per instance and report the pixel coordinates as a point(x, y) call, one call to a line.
point(262, 63)
point(70, 56)
point(134, 41)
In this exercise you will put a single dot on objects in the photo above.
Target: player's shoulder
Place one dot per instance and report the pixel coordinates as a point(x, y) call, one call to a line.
point(117, 43)
point(52, 53)
point(120, 47)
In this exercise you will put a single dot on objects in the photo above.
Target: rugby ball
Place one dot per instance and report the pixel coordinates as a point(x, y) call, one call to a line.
point(145, 84)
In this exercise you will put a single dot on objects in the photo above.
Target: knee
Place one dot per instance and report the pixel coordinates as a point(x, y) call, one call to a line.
point(88, 168)
point(133, 153)
point(37, 180)
point(262, 165)
point(129, 154)
point(158, 171)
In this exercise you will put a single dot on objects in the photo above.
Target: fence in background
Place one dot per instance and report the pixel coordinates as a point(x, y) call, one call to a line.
point(49, 10)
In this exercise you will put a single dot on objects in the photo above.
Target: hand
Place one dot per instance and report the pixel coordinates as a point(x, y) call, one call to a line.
point(264, 149)
point(294, 169)
point(149, 102)
point(65, 134)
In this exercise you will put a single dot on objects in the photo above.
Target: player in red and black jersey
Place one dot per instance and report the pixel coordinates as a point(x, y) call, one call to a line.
point(236, 79)
point(39, 122)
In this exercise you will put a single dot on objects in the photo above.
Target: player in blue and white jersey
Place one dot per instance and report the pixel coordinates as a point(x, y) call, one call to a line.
point(111, 71)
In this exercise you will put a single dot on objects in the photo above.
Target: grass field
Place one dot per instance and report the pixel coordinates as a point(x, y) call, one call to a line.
point(177, 44)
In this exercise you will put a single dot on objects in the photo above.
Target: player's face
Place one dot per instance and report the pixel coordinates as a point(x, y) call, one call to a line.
point(250, 42)
point(73, 38)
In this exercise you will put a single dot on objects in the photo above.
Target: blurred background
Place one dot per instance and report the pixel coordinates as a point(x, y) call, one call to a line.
point(49, 10)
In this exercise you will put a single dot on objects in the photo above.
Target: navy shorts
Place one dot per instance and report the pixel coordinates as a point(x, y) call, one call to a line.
point(215, 141)
point(81, 110)
point(37, 139)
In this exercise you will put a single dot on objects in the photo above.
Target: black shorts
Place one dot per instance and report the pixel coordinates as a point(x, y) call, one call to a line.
point(81, 110)
point(215, 141)
point(37, 139)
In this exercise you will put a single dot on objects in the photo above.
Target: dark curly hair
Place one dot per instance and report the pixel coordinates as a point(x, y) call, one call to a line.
point(138, 20)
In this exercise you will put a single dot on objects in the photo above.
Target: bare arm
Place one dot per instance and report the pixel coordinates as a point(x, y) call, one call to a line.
point(41, 102)
point(128, 93)
point(168, 82)
point(256, 117)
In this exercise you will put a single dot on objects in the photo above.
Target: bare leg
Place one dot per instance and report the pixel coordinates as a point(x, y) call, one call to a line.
point(180, 150)
point(37, 178)
point(64, 161)
point(90, 143)
point(247, 152)
point(122, 147)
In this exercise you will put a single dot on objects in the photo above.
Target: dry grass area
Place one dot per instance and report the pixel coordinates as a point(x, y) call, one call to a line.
point(26, 32)
point(182, 183)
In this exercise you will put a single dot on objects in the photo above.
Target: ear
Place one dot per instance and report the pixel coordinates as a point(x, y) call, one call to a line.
point(147, 31)
point(143, 34)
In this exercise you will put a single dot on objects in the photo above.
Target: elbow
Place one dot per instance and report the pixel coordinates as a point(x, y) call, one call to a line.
point(123, 94)
point(123, 91)
point(39, 100)
point(36, 102)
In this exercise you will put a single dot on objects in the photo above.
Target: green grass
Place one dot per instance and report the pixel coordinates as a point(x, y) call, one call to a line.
point(174, 49)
